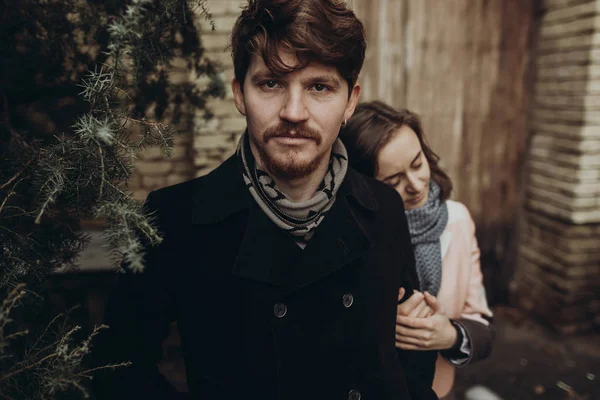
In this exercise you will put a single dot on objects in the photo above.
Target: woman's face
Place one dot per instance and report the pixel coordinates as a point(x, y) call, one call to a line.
point(403, 165)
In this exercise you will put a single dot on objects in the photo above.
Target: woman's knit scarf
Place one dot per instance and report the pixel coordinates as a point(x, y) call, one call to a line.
point(426, 225)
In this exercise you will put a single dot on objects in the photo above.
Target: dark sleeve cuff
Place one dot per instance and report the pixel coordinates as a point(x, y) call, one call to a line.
point(454, 352)
point(480, 337)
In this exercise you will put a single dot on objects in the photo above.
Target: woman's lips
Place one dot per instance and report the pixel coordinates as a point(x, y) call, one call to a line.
point(417, 199)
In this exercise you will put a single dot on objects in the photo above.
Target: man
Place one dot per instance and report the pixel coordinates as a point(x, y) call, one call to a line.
point(282, 266)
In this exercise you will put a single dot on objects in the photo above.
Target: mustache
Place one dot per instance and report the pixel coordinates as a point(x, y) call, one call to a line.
point(288, 129)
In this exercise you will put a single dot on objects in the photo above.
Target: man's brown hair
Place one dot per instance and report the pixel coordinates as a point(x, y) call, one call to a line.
point(372, 126)
point(315, 30)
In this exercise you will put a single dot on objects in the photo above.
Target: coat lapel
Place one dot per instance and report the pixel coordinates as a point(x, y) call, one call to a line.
point(344, 234)
point(269, 255)
point(339, 240)
point(220, 194)
point(266, 253)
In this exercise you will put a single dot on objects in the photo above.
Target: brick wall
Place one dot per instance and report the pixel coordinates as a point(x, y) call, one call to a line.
point(154, 170)
point(215, 140)
point(558, 272)
point(198, 152)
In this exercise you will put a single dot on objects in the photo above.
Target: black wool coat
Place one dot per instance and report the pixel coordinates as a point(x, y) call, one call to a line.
point(259, 318)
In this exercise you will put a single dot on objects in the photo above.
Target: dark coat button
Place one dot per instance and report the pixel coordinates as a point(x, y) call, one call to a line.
point(348, 300)
point(280, 310)
point(354, 395)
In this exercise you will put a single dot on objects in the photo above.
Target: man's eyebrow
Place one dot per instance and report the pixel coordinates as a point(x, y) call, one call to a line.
point(399, 173)
point(262, 75)
point(331, 80)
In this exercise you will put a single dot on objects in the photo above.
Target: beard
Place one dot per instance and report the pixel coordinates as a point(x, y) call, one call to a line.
point(288, 164)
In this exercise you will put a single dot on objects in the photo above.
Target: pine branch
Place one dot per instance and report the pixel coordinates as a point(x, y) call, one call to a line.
point(28, 367)
point(6, 307)
point(50, 180)
point(11, 180)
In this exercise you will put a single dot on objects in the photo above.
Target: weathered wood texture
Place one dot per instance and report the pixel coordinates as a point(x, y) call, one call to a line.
point(558, 267)
point(464, 65)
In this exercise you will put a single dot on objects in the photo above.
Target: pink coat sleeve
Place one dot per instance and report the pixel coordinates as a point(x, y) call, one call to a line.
point(476, 307)
point(476, 316)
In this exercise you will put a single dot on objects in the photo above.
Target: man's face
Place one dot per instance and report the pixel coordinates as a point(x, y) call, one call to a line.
point(293, 119)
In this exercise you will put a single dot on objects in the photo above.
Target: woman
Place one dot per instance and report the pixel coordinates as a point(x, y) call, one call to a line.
point(451, 314)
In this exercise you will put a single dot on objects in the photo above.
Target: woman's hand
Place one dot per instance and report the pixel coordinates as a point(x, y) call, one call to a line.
point(424, 333)
point(414, 306)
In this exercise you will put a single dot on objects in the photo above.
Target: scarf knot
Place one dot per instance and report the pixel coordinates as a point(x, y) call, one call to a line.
point(426, 225)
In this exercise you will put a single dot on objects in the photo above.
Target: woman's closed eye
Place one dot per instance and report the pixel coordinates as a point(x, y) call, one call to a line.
point(393, 181)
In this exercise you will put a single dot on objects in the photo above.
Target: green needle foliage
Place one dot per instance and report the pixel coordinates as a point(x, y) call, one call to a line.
point(76, 80)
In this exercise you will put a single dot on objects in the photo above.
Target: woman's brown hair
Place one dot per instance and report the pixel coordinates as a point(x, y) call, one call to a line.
point(372, 126)
point(315, 30)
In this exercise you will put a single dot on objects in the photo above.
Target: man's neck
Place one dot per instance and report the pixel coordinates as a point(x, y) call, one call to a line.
point(303, 189)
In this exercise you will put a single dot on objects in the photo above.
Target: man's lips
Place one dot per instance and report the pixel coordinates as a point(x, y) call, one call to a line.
point(292, 137)
point(292, 134)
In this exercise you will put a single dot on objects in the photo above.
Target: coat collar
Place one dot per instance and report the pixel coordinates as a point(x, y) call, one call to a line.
point(341, 238)
point(223, 192)
point(266, 253)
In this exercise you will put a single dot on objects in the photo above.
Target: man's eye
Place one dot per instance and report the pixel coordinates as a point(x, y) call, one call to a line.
point(319, 87)
point(270, 84)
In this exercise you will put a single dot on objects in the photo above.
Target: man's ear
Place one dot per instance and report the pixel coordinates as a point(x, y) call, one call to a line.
point(352, 102)
point(238, 96)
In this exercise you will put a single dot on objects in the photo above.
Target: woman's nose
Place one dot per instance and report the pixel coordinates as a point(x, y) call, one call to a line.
point(414, 184)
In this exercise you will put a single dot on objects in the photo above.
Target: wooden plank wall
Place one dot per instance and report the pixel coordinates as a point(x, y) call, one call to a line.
point(464, 65)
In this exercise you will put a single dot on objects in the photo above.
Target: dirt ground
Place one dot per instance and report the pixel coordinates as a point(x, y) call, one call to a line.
point(529, 361)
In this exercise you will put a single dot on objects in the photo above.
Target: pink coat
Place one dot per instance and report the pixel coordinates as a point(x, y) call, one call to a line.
point(462, 295)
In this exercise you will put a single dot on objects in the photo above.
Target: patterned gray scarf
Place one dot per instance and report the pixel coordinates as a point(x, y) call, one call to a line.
point(298, 219)
point(426, 225)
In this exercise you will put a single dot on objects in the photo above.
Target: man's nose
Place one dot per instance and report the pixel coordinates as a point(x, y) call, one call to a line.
point(294, 109)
